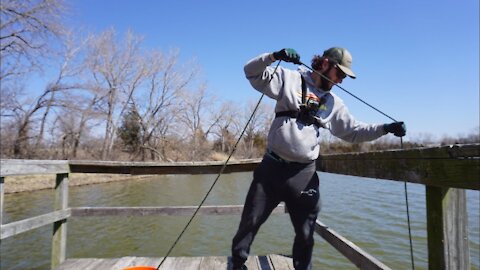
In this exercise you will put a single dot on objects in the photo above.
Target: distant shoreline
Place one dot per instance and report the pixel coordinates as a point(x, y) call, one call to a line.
point(18, 184)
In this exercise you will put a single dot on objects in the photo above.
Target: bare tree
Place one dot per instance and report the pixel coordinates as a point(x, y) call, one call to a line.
point(25, 117)
point(75, 121)
point(226, 129)
point(164, 81)
point(24, 114)
point(193, 116)
point(165, 84)
point(26, 111)
point(8, 98)
point(114, 68)
point(254, 139)
point(70, 69)
point(26, 28)
point(27, 31)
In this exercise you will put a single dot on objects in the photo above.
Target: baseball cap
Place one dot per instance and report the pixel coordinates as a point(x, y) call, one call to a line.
point(343, 59)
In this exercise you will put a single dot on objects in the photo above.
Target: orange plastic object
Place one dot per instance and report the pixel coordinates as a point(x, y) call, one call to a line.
point(140, 268)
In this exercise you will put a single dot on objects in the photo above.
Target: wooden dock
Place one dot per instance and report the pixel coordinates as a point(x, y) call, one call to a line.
point(445, 171)
point(268, 262)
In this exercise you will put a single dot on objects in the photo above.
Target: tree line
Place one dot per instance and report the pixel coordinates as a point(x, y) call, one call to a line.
point(105, 96)
point(65, 94)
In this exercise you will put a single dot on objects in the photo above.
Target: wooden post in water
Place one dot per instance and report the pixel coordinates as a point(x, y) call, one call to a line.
point(59, 238)
point(447, 229)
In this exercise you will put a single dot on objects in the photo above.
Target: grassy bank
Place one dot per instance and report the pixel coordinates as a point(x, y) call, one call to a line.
point(14, 184)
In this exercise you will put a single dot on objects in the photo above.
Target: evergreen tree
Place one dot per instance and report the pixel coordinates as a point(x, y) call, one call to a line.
point(130, 130)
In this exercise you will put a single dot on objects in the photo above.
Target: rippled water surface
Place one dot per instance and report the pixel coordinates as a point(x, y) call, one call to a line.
point(369, 212)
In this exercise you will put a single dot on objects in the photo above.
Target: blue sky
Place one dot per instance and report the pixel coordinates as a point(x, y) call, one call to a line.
point(418, 61)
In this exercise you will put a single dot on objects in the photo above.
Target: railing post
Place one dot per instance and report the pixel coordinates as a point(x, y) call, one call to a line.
point(447, 229)
point(2, 181)
point(59, 238)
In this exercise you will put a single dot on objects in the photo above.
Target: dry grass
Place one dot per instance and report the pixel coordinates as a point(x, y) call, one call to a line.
point(216, 156)
point(22, 183)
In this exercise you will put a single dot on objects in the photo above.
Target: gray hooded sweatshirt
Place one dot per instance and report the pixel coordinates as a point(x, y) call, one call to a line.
point(292, 140)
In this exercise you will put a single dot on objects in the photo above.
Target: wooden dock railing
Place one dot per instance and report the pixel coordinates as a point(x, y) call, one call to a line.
point(445, 171)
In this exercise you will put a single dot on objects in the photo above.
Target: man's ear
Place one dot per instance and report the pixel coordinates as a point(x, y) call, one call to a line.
point(325, 64)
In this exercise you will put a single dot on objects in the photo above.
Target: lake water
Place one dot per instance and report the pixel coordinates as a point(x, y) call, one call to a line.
point(369, 212)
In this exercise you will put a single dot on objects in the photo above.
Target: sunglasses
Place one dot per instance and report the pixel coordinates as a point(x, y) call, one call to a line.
point(340, 74)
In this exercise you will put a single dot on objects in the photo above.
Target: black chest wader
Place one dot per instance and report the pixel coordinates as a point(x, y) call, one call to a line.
point(296, 184)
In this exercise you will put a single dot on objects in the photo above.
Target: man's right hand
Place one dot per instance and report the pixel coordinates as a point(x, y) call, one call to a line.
point(287, 55)
point(397, 128)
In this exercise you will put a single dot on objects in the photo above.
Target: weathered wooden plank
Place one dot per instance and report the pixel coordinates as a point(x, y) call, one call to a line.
point(137, 168)
point(28, 224)
point(164, 211)
point(252, 263)
point(213, 262)
point(187, 263)
point(267, 262)
point(124, 262)
point(26, 166)
point(355, 254)
point(281, 262)
point(147, 261)
point(127, 262)
point(167, 264)
point(450, 166)
point(447, 229)
point(59, 237)
point(87, 264)
point(77, 264)
point(102, 264)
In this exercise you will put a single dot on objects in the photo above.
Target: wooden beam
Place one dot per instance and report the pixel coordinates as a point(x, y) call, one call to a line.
point(355, 254)
point(26, 166)
point(59, 237)
point(449, 166)
point(447, 229)
point(28, 224)
point(137, 168)
point(163, 211)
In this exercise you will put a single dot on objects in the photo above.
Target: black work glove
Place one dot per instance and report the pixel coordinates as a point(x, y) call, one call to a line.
point(398, 129)
point(287, 55)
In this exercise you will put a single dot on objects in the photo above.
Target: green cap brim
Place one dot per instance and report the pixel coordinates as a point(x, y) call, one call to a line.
point(347, 71)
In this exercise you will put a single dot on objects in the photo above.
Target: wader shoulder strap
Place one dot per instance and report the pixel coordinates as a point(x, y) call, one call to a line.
point(293, 114)
point(304, 90)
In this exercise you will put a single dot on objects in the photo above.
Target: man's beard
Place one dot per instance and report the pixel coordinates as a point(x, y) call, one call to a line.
point(325, 84)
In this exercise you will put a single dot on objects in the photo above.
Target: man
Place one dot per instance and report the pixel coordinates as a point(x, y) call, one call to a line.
point(304, 104)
